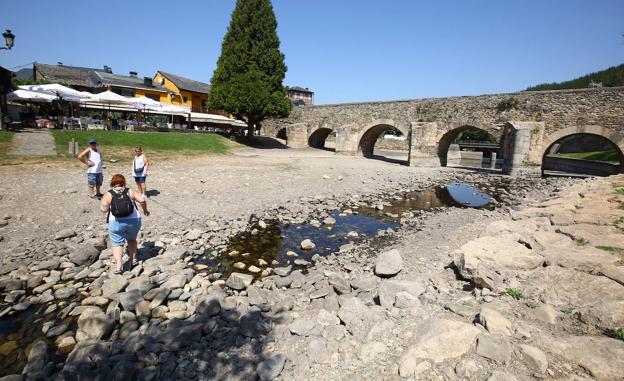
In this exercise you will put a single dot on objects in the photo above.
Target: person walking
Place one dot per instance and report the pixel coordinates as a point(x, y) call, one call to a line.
point(123, 218)
point(139, 169)
point(92, 158)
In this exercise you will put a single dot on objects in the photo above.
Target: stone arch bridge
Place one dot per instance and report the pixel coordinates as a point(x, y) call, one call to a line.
point(526, 124)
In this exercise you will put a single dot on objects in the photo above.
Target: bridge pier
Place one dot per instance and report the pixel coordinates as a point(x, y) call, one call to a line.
point(346, 141)
point(423, 145)
point(297, 135)
point(518, 139)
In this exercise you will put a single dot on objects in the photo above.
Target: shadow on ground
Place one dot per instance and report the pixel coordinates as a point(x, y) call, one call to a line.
point(155, 331)
point(262, 142)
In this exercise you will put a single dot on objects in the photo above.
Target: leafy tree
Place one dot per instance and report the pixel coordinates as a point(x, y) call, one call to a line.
point(16, 82)
point(247, 81)
point(611, 77)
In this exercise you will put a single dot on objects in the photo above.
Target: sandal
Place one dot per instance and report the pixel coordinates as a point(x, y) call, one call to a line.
point(135, 263)
point(117, 272)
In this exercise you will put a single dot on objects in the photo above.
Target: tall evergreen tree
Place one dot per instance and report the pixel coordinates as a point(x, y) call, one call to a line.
point(247, 81)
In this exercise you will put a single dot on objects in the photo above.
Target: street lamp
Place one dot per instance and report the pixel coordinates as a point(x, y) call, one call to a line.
point(9, 39)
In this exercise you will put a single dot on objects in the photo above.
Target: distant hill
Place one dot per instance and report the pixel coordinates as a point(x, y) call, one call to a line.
point(611, 77)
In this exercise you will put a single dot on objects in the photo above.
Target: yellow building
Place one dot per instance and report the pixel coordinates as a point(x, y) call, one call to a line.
point(129, 86)
point(183, 91)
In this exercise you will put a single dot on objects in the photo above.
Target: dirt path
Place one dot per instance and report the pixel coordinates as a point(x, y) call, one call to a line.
point(32, 142)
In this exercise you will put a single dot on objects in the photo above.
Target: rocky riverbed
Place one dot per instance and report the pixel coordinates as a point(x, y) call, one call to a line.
point(531, 288)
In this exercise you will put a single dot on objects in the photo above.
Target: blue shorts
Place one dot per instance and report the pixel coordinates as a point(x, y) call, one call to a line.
point(139, 179)
point(95, 179)
point(123, 230)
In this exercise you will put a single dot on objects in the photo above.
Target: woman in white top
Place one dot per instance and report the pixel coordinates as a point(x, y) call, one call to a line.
point(124, 219)
point(139, 169)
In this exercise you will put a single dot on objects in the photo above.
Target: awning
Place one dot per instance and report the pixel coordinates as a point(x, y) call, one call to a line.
point(217, 119)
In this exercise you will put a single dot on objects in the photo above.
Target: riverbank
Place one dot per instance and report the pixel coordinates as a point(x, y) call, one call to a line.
point(346, 314)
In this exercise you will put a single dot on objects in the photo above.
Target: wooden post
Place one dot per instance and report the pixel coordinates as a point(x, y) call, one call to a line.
point(493, 161)
point(72, 148)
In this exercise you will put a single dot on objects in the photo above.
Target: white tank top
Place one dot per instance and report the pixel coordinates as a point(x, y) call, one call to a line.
point(138, 163)
point(95, 158)
point(134, 215)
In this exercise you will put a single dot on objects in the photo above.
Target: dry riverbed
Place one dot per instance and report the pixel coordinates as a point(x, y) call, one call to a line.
point(530, 288)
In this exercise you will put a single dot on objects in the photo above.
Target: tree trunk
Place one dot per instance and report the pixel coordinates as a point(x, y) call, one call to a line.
point(250, 130)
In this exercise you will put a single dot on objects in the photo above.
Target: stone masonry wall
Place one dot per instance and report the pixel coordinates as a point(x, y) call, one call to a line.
point(557, 109)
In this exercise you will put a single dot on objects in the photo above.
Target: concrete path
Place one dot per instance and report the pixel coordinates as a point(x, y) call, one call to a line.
point(34, 142)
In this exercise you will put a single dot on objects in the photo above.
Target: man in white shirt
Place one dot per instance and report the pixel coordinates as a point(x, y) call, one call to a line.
point(92, 158)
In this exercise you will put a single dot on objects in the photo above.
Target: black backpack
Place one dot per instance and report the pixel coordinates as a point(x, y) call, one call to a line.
point(121, 204)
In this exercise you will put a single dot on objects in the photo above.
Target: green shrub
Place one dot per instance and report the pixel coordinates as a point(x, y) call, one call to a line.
point(581, 241)
point(619, 334)
point(516, 294)
point(507, 104)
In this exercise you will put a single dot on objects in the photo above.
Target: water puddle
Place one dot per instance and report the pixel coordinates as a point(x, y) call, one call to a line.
point(455, 194)
point(19, 332)
point(278, 244)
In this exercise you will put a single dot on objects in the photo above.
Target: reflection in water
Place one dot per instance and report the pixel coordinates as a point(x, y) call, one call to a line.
point(468, 195)
point(22, 330)
point(256, 246)
point(269, 247)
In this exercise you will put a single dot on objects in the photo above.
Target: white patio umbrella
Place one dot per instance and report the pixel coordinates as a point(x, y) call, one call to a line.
point(146, 103)
point(108, 97)
point(60, 91)
point(30, 96)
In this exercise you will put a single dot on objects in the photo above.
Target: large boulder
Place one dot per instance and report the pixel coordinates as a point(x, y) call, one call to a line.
point(440, 339)
point(356, 315)
point(83, 362)
point(141, 283)
point(581, 258)
point(65, 233)
point(388, 263)
point(94, 323)
point(596, 300)
point(239, 281)
point(129, 299)
point(495, 253)
point(601, 357)
point(83, 255)
point(252, 324)
point(176, 253)
point(495, 322)
point(37, 359)
point(271, 367)
point(388, 289)
point(114, 285)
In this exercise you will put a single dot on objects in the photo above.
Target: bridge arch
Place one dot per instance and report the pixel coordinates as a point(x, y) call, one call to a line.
point(282, 134)
point(552, 161)
point(368, 136)
point(453, 131)
point(319, 136)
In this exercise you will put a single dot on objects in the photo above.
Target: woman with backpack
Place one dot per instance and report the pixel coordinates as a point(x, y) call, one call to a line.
point(123, 218)
point(139, 169)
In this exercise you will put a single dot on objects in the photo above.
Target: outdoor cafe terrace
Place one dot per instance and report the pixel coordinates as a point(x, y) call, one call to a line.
point(117, 111)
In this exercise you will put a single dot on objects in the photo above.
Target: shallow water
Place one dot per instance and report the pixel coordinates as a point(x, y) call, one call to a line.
point(276, 240)
point(22, 330)
point(269, 247)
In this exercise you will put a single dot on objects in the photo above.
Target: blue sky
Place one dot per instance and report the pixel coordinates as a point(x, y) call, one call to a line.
point(346, 51)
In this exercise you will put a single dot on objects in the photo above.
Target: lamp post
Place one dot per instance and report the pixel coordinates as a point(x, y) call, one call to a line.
point(9, 39)
point(5, 76)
